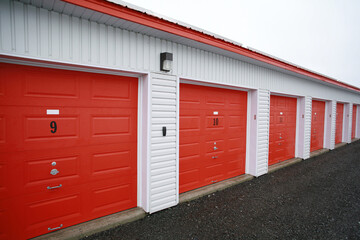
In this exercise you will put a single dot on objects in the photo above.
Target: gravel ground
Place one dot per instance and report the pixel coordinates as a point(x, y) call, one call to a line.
point(315, 199)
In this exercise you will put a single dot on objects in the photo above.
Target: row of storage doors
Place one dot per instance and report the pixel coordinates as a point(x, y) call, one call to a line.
point(68, 143)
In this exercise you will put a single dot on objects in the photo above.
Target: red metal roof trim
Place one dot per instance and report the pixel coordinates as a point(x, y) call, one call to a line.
point(173, 28)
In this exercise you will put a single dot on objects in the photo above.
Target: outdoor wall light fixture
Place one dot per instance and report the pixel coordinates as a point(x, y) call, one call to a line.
point(166, 60)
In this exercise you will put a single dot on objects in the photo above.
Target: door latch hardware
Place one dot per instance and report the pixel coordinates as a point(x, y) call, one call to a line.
point(54, 172)
point(214, 157)
point(53, 164)
point(215, 148)
point(55, 228)
point(54, 187)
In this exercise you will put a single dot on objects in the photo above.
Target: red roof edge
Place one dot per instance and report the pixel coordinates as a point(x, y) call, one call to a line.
point(136, 16)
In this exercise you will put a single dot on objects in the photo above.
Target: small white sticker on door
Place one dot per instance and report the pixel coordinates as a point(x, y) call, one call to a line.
point(216, 113)
point(52, 111)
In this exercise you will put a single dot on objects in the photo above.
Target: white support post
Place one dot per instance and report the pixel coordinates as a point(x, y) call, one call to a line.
point(263, 124)
point(307, 127)
point(348, 122)
point(330, 124)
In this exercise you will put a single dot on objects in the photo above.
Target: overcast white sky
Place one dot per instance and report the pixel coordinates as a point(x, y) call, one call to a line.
point(322, 35)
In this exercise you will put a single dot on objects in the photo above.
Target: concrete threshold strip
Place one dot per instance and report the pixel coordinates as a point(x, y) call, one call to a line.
point(104, 223)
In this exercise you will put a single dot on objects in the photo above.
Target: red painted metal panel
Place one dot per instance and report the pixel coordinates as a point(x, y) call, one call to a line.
point(282, 131)
point(339, 122)
point(353, 122)
point(317, 125)
point(212, 135)
point(88, 152)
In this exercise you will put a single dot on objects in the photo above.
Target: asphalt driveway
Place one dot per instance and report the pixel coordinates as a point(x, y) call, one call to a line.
point(315, 199)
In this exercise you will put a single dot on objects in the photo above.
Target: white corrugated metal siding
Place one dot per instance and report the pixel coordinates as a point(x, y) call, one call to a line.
point(333, 124)
point(163, 161)
point(59, 37)
point(348, 140)
point(307, 126)
point(263, 132)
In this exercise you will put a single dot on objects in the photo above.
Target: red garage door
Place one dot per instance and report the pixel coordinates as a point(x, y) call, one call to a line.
point(353, 122)
point(282, 128)
point(60, 170)
point(339, 122)
point(212, 135)
point(317, 125)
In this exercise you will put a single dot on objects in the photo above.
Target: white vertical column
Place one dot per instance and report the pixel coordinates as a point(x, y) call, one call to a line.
point(144, 114)
point(348, 118)
point(330, 124)
point(307, 127)
point(163, 159)
point(251, 133)
point(333, 124)
point(259, 130)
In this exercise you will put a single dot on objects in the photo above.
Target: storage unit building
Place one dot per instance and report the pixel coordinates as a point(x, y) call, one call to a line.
point(106, 107)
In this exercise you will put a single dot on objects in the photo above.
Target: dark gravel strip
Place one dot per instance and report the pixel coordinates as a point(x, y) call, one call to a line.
point(316, 199)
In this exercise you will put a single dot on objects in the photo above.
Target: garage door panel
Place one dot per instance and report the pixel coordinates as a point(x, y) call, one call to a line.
point(40, 173)
point(5, 178)
point(54, 164)
point(189, 147)
point(189, 179)
point(214, 121)
point(210, 145)
point(190, 123)
point(6, 219)
point(46, 129)
point(213, 158)
point(234, 168)
point(282, 128)
point(214, 172)
point(111, 198)
point(112, 127)
point(30, 128)
point(317, 125)
point(235, 121)
point(11, 180)
point(103, 126)
point(190, 163)
point(109, 88)
point(38, 83)
point(40, 214)
point(113, 165)
point(32, 85)
point(218, 121)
